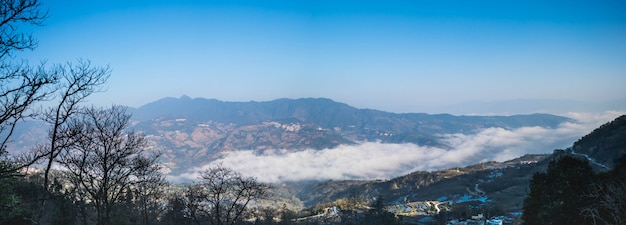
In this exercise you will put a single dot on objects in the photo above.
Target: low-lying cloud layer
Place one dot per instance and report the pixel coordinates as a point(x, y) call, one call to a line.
point(374, 160)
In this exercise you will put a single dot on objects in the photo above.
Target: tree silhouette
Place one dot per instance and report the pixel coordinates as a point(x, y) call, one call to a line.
point(557, 195)
point(608, 196)
point(222, 196)
point(21, 86)
point(105, 160)
point(378, 213)
point(77, 82)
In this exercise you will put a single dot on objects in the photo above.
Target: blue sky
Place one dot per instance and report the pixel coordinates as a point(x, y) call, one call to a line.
point(399, 56)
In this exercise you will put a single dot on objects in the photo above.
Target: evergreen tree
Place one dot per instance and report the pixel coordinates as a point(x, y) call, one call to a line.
point(8, 199)
point(378, 213)
point(557, 195)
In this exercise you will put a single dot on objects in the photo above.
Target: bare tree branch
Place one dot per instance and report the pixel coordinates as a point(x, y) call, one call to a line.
point(223, 195)
point(13, 14)
point(21, 86)
point(78, 81)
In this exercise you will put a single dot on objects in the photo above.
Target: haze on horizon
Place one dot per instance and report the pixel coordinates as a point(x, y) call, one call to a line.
point(398, 56)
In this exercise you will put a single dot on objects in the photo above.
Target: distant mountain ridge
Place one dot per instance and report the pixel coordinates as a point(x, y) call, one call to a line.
point(328, 113)
point(192, 132)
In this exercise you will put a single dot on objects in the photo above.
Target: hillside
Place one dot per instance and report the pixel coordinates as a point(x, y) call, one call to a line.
point(503, 184)
point(605, 144)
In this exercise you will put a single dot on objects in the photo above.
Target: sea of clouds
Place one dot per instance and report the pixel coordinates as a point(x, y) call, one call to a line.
point(375, 160)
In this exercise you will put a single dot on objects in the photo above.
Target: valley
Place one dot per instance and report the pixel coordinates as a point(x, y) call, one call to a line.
point(318, 154)
point(192, 131)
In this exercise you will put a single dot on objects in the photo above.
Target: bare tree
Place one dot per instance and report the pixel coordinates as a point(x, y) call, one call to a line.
point(77, 82)
point(149, 194)
point(14, 13)
point(222, 196)
point(105, 159)
point(195, 207)
point(609, 203)
point(21, 86)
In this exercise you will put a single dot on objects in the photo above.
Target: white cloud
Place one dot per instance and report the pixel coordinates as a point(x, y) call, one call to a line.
point(374, 160)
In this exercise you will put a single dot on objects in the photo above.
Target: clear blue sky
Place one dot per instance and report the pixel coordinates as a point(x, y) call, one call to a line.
point(400, 56)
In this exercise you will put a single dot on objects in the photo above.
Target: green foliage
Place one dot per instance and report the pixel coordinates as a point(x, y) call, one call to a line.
point(8, 199)
point(569, 192)
point(25, 193)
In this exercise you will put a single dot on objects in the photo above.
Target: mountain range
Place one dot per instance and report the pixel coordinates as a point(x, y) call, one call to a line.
point(195, 131)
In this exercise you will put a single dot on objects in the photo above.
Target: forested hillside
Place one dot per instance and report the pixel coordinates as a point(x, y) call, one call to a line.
point(606, 144)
